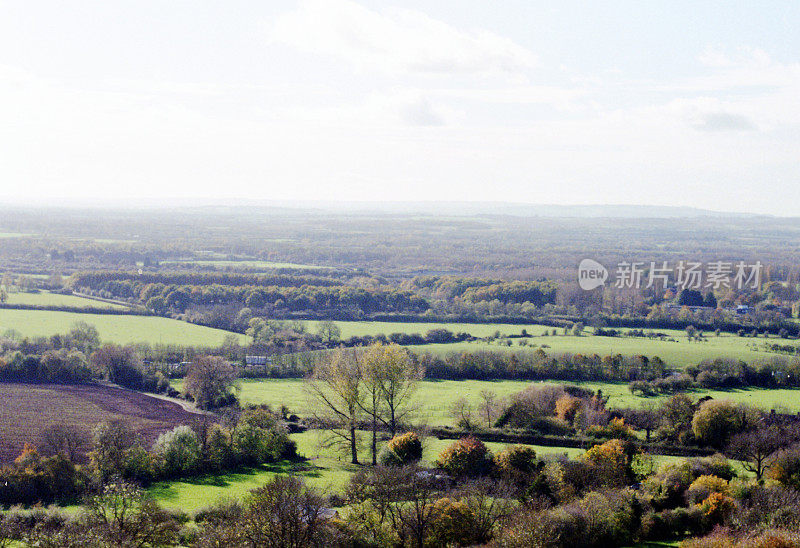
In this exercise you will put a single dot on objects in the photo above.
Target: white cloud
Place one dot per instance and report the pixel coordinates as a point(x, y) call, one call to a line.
point(397, 40)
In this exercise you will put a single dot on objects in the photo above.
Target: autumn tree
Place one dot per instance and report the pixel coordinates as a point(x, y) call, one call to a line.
point(389, 378)
point(209, 380)
point(329, 332)
point(336, 393)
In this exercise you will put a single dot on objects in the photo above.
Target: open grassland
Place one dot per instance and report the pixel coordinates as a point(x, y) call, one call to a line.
point(434, 398)
point(359, 329)
point(678, 353)
point(27, 409)
point(119, 329)
point(45, 298)
point(326, 469)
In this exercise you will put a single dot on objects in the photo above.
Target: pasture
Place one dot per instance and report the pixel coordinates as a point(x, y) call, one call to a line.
point(678, 353)
point(45, 298)
point(26, 410)
point(120, 329)
point(434, 398)
point(326, 469)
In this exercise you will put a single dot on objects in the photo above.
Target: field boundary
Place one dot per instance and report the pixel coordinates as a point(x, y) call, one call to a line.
point(571, 442)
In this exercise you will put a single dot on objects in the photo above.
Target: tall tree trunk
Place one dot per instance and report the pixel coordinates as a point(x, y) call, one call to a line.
point(374, 439)
point(353, 445)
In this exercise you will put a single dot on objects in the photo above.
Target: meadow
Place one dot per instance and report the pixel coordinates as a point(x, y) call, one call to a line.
point(433, 398)
point(679, 352)
point(326, 469)
point(120, 329)
point(45, 298)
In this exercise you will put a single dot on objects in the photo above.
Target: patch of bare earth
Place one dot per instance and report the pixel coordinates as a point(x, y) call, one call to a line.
point(27, 409)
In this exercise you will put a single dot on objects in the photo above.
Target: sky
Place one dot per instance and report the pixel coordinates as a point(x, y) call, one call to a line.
point(666, 103)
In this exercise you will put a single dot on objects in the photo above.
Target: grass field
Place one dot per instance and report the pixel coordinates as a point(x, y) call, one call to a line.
point(45, 298)
point(678, 353)
point(119, 329)
point(352, 329)
point(434, 397)
point(326, 470)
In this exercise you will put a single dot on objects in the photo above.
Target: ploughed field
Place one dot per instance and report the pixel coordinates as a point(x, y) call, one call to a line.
point(27, 409)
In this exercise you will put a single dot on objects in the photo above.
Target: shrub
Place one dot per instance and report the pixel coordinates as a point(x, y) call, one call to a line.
point(716, 421)
point(616, 428)
point(466, 457)
point(177, 452)
point(786, 467)
point(401, 450)
point(718, 507)
point(704, 486)
point(517, 461)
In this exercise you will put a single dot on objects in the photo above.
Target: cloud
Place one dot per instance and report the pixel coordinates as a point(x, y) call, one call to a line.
point(396, 41)
point(421, 113)
point(725, 121)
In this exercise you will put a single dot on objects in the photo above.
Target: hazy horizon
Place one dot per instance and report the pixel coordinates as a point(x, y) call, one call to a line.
point(664, 104)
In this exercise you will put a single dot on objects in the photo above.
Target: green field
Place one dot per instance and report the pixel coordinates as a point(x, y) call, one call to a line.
point(45, 298)
point(434, 397)
point(327, 470)
point(678, 353)
point(119, 329)
point(359, 329)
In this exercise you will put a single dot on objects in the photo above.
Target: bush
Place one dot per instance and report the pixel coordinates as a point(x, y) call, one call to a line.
point(704, 486)
point(616, 428)
point(716, 421)
point(177, 452)
point(401, 450)
point(466, 457)
point(517, 461)
point(786, 467)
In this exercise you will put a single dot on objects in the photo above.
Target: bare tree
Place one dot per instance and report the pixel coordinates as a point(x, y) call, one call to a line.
point(335, 391)
point(756, 448)
point(461, 411)
point(488, 406)
point(69, 440)
point(401, 499)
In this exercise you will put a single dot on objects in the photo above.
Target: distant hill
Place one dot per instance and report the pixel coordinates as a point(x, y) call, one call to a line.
point(507, 208)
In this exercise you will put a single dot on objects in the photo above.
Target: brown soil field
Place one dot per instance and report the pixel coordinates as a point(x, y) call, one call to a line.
point(27, 409)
